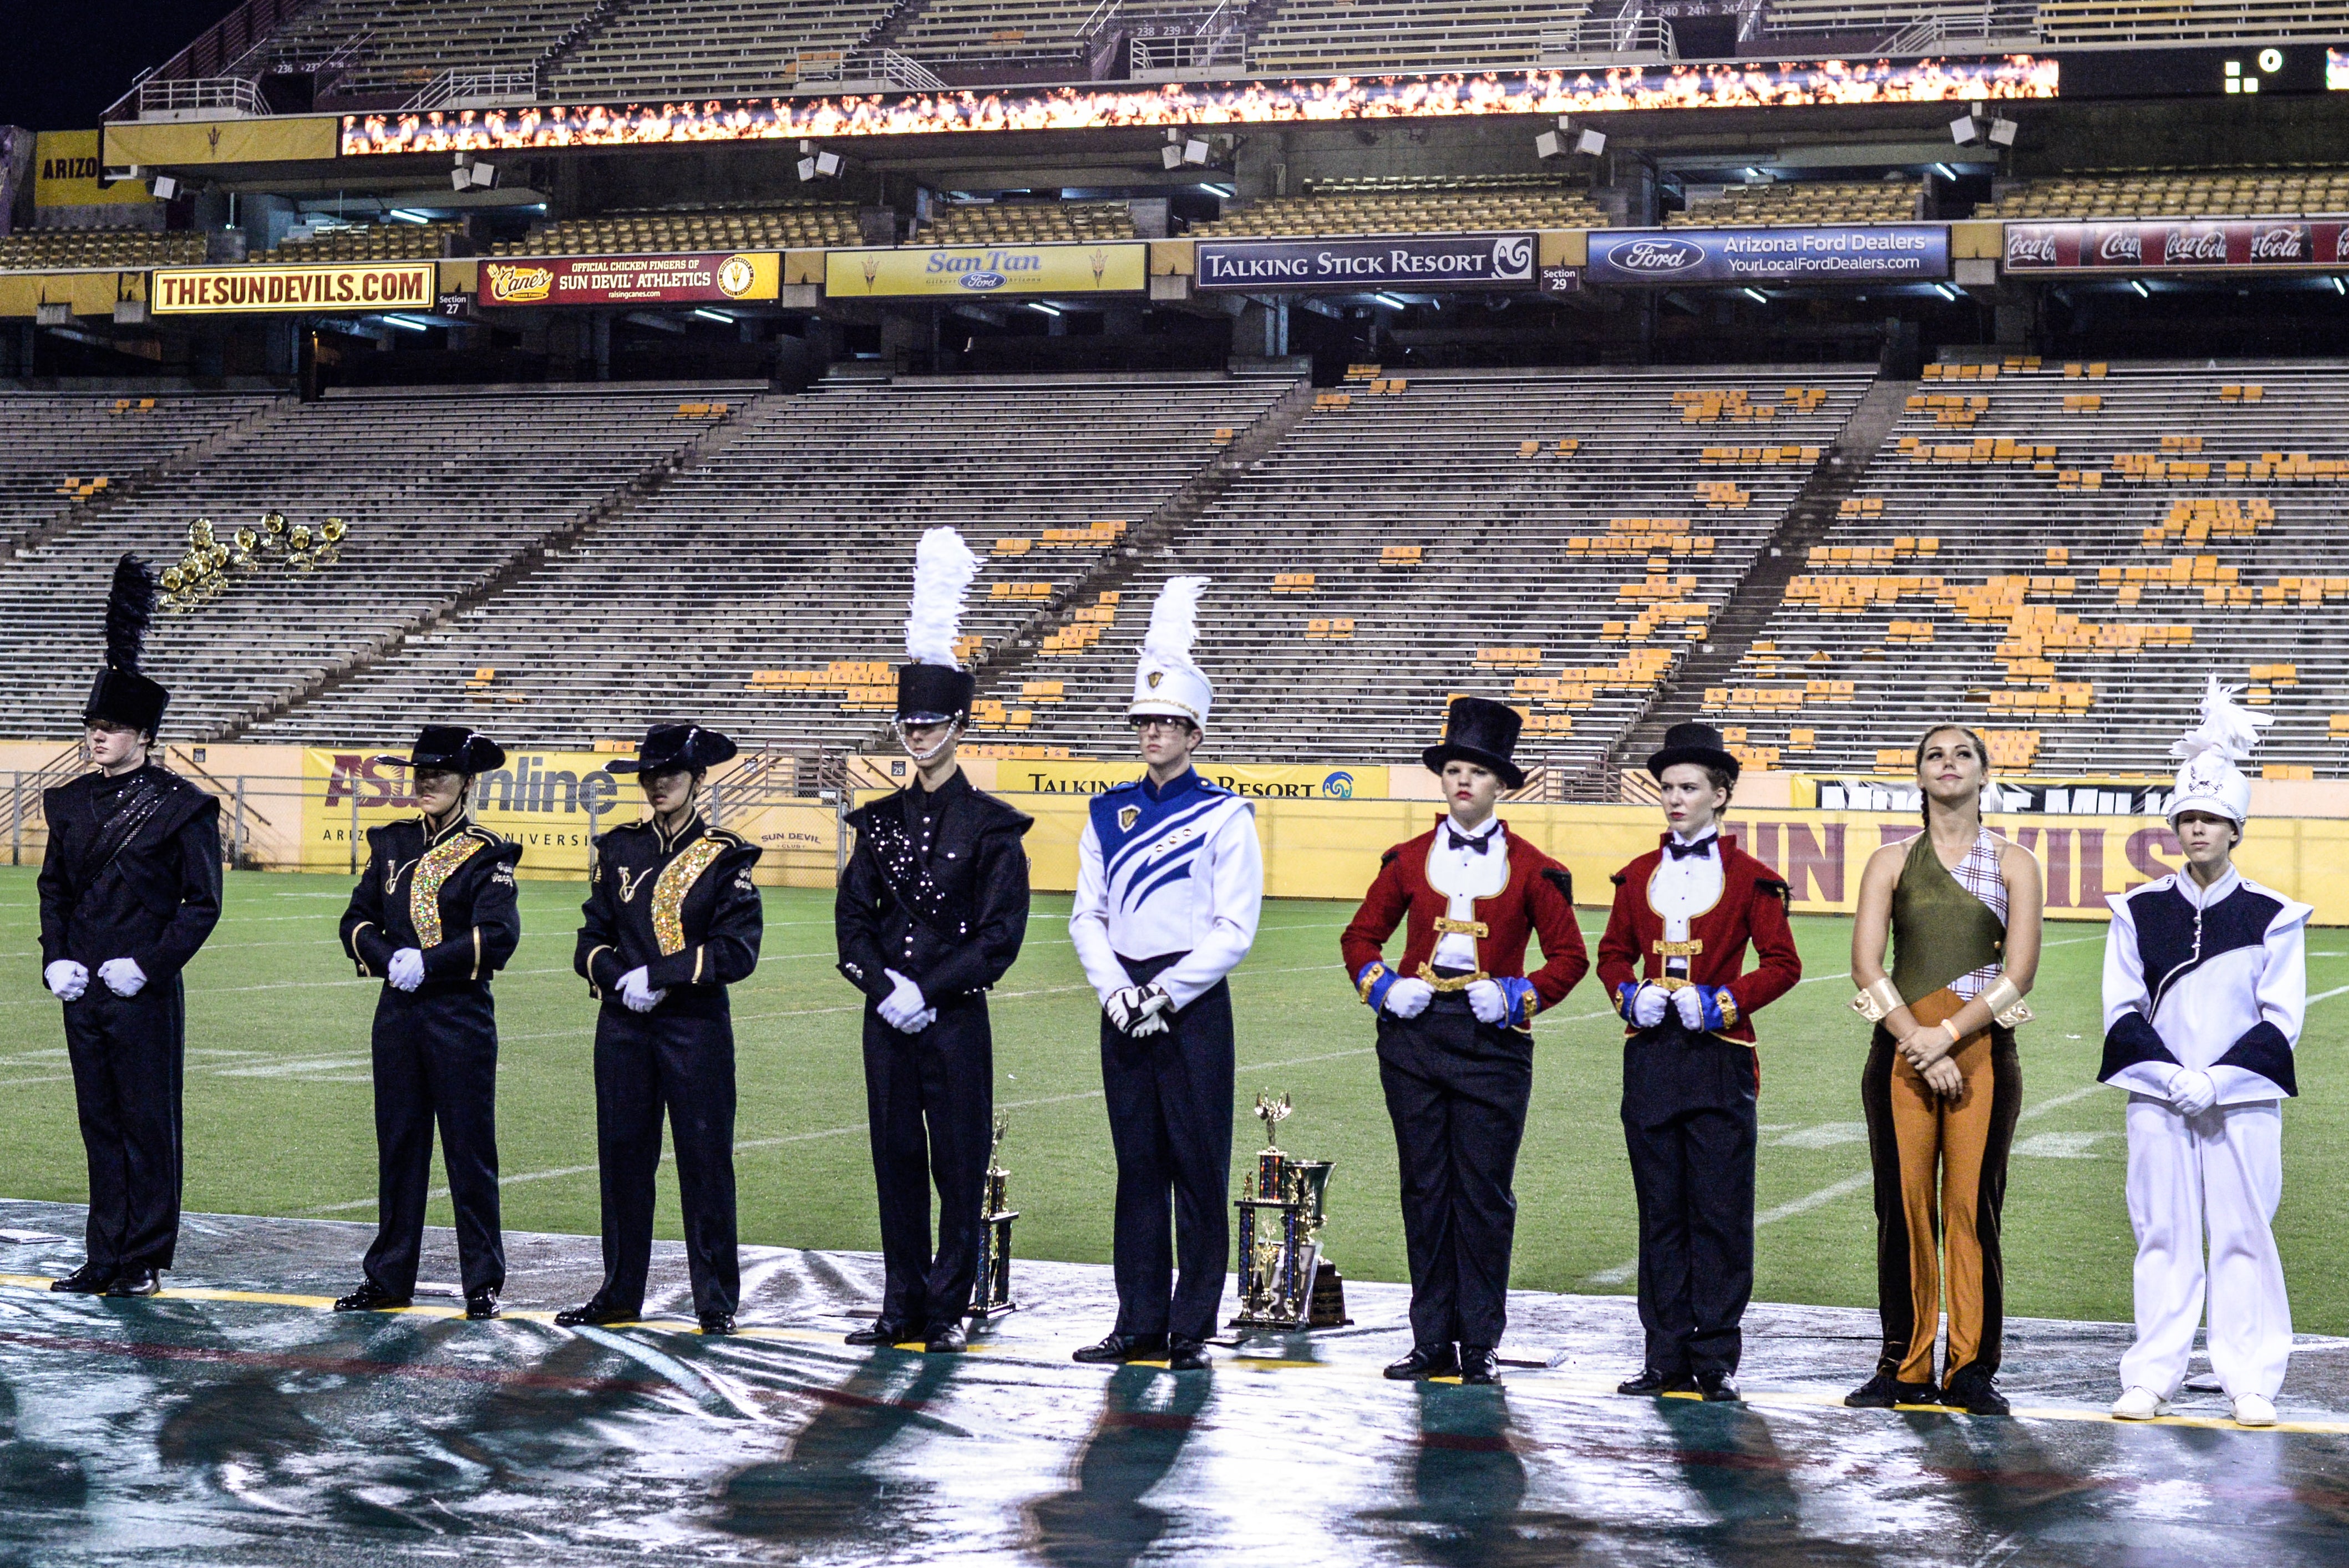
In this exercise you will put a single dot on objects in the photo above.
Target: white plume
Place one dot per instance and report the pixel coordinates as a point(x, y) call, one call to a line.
point(2230, 730)
point(1174, 619)
point(943, 568)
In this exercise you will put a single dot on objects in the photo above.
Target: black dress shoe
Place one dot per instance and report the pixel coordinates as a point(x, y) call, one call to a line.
point(1717, 1388)
point(483, 1307)
point(1185, 1355)
point(87, 1280)
point(372, 1297)
point(1884, 1390)
point(1425, 1361)
point(596, 1313)
point(1651, 1383)
point(883, 1331)
point(1975, 1392)
point(1125, 1348)
point(717, 1323)
point(1478, 1364)
point(135, 1282)
point(947, 1338)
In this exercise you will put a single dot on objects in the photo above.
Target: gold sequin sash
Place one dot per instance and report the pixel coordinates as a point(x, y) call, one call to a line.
point(676, 880)
point(439, 863)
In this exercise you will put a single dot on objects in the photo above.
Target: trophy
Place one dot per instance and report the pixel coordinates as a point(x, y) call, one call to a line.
point(1285, 1282)
point(992, 1299)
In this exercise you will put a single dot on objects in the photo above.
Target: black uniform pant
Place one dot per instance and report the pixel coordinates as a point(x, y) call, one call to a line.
point(1456, 1090)
point(1688, 1120)
point(436, 1064)
point(128, 1055)
point(1170, 1122)
point(930, 1100)
point(649, 1066)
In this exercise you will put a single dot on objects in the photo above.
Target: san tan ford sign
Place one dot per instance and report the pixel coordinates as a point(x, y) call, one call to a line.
point(1407, 262)
point(1871, 253)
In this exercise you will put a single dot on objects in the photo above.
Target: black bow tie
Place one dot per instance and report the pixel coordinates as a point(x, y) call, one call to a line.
point(1702, 847)
point(1475, 846)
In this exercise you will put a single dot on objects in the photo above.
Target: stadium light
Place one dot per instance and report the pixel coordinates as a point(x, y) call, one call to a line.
point(1226, 192)
point(1389, 300)
point(2142, 292)
point(2339, 287)
point(1047, 309)
point(1964, 132)
point(407, 322)
point(719, 316)
point(406, 216)
point(1756, 296)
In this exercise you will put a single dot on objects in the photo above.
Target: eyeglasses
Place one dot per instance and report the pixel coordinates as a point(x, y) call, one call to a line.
point(1149, 721)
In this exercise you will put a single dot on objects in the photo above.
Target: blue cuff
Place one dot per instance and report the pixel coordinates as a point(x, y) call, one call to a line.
point(1524, 1001)
point(1720, 1007)
point(1373, 983)
point(1623, 994)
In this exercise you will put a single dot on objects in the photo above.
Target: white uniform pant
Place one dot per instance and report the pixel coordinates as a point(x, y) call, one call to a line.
point(2220, 1171)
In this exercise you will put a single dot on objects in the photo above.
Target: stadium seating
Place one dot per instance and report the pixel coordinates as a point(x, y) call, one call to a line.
point(1312, 37)
point(672, 49)
point(2060, 554)
point(1027, 222)
point(1801, 202)
point(59, 448)
point(802, 224)
point(1410, 206)
point(981, 33)
point(2174, 193)
point(404, 45)
point(1555, 539)
point(391, 242)
point(41, 250)
point(2185, 21)
point(765, 590)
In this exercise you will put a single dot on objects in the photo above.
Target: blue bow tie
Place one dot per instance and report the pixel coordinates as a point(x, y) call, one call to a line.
point(1475, 846)
point(1702, 847)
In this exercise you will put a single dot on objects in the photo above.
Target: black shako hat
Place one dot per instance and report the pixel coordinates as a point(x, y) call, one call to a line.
point(453, 748)
point(1478, 729)
point(1697, 743)
point(668, 748)
point(121, 695)
point(933, 694)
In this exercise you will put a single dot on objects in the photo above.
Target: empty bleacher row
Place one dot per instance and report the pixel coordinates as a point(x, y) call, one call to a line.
point(1315, 36)
point(43, 250)
point(440, 493)
point(764, 591)
point(1802, 201)
point(672, 49)
point(59, 447)
point(392, 242)
point(982, 33)
point(2174, 193)
point(1553, 539)
point(1408, 205)
point(402, 46)
point(787, 224)
point(2058, 555)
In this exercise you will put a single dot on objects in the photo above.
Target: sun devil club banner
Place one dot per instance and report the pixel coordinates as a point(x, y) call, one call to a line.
point(1408, 262)
point(2247, 242)
point(1849, 253)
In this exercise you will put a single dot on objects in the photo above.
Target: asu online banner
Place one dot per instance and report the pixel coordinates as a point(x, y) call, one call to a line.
point(359, 285)
point(546, 801)
point(987, 270)
point(707, 278)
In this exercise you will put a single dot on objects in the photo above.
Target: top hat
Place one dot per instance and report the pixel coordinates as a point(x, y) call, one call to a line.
point(933, 694)
point(1479, 730)
point(125, 696)
point(1697, 743)
point(120, 695)
point(670, 747)
point(453, 748)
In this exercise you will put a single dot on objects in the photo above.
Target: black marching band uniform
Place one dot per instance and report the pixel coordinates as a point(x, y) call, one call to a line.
point(680, 908)
point(129, 889)
point(934, 899)
point(449, 898)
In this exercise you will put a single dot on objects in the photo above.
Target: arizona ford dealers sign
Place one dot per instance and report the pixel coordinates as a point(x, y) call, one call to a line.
point(2249, 244)
point(1839, 253)
point(1408, 262)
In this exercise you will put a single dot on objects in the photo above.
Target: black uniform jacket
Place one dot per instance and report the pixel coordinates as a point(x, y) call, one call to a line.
point(450, 896)
point(683, 909)
point(132, 871)
point(938, 890)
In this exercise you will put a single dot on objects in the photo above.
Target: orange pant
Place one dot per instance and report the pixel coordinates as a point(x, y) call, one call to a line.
point(1941, 1182)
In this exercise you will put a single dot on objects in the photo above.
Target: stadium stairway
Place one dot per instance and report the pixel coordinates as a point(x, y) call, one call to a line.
point(1681, 697)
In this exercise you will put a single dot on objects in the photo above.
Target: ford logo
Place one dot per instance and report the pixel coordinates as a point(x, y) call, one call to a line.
point(1655, 255)
point(982, 280)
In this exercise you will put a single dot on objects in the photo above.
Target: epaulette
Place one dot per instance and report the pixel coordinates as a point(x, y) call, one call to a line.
point(1391, 856)
point(489, 836)
point(729, 837)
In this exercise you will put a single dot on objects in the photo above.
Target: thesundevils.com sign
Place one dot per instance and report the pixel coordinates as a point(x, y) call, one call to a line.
point(360, 285)
point(707, 278)
point(2246, 243)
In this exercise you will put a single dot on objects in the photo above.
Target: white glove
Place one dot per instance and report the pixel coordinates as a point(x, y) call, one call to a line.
point(1689, 1003)
point(1407, 998)
point(123, 976)
point(637, 994)
point(1649, 1005)
point(405, 970)
point(903, 1008)
point(66, 979)
point(2191, 1092)
point(1135, 1010)
point(1487, 1001)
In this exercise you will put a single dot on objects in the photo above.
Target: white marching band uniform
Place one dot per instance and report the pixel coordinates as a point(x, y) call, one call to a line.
point(2204, 993)
point(1187, 876)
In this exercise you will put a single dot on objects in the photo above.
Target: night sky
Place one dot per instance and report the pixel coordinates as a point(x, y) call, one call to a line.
point(65, 60)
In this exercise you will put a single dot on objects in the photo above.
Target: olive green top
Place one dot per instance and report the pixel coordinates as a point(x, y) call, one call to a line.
point(1940, 931)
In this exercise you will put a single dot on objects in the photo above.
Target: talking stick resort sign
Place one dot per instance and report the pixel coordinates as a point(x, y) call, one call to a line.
point(1409, 262)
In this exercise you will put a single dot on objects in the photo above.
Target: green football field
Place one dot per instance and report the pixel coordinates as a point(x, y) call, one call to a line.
point(278, 1107)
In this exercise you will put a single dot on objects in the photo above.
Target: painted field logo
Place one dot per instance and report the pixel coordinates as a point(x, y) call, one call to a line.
point(1338, 786)
point(520, 285)
point(982, 281)
point(1656, 257)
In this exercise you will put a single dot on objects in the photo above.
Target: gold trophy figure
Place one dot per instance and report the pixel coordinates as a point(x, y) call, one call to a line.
point(1284, 1282)
point(993, 1297)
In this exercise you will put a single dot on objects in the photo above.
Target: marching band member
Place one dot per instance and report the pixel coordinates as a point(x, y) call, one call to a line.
point(129, 889)
point(672, 920)
point(1456, 1033)
point(433, 916)
point(1170, 880)
point(1960, 908)
point(1673, 959)
point(2205, 986)
point(930, 914)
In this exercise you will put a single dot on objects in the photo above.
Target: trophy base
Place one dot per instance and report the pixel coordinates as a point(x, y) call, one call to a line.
point(990, 1313)
point(1328, 1309)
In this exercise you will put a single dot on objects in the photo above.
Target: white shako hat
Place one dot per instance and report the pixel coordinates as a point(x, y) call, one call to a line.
point(1166, 681)
point(932, 686)
point(2210, 782)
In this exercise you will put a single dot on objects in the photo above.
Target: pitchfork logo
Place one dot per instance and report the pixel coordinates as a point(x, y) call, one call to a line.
point(1513, 257)
point(1655, 257)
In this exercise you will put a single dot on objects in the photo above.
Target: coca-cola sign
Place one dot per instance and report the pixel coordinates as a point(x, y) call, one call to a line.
point(2181, 246)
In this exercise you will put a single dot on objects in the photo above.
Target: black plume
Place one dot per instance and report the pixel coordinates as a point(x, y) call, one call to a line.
point(130, 605)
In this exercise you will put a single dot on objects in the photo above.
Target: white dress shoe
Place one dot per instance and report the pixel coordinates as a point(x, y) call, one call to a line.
point(2139, 1404)
point(2253, 1410)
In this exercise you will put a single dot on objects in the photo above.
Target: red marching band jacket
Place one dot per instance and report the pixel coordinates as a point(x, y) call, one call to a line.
point(1535, 900)
point(1752, 907)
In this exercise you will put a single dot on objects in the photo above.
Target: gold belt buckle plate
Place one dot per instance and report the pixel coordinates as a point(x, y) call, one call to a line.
point(1449, 927)
point(1449, 983)
point(1690, 949)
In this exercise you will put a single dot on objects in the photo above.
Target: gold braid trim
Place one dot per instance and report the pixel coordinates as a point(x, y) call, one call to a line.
point(676, 880)
point(439, 863)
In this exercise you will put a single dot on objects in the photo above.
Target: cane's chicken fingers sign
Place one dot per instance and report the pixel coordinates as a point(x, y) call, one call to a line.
point(706, 278)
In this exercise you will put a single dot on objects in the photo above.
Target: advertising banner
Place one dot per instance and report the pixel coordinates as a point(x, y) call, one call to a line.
point(1839, 253)
point(1410, 260)
point(703, 278)
point(987, 270)
point(65, 174)
point(354, 285)
point(2248, 244)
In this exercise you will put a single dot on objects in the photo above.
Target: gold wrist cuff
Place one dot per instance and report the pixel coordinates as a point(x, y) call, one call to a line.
point(2004, 1000)
point(1875, 1001)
